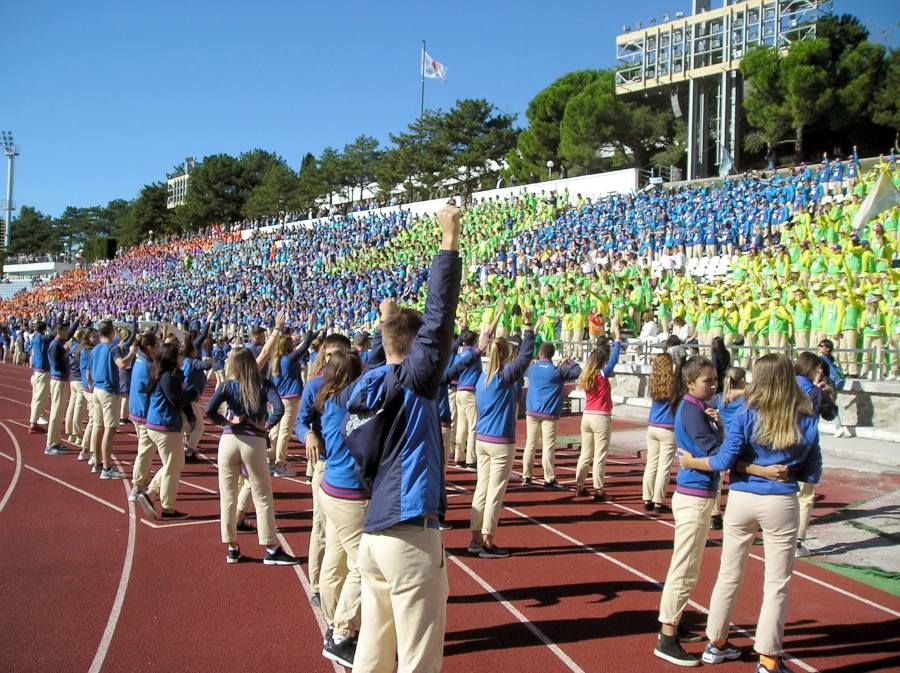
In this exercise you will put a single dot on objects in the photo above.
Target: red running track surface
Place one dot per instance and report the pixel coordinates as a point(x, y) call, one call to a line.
point(88, 584)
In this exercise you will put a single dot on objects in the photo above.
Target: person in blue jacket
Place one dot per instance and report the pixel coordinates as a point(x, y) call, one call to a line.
point(138, 403)
point(728, 403)
point(127, 335)
point(75, 410)
point(777, 428)
point(394, 434)
point(466, 411)
point(543, 406)
point(60, 372)
point(344, 500)
point(219, 356)
point(40, 376)
point(166, 407)
point(497, 396)
point(89, 340)
point(286, 370)
point(194, 370)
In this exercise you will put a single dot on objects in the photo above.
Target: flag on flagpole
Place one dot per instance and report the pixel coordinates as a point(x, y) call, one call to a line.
point(726, 163)
point(431, 68)
point(879, 199)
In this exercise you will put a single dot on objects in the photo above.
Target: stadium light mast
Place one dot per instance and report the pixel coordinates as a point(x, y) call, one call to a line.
point(11, 151)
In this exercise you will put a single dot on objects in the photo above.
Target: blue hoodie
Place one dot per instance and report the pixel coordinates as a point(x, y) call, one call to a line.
point(392, 427)
point(496, 399)
point(545, 385)
point(138, 402)
point(804, 459)
point(467, 379)
point(698, 435)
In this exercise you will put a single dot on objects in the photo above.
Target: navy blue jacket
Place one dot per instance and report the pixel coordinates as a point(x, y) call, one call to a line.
point(393, 428)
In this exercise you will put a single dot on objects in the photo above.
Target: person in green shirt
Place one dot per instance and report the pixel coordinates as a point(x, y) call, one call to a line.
point(801, 317)
point(853, 309)
point(893, 330)
point(874, 332)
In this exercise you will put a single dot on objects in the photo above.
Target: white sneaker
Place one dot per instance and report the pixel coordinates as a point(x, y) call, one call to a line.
point(802, 550)
point(42, 421)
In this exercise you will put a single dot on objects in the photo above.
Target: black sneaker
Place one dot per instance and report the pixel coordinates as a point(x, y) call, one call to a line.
point(715, 523)
point(172, 515)
point(493, 551)
point(341, 653)
point(443, 526)
point(648, 505)
point(581, 491)
point(461, 464)
point(329, 632)
point(316, 602)
point(245, 527)
point(687, 636)
point(190, 457)
point(526, 481)
point(233, 555)
point(472, 466)
point(668, 648)
point(279, 557)
point(660, 509)
point(599, 497)
point(553, 485)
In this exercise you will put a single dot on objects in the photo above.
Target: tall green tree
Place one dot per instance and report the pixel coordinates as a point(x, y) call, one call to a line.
point(765, 100)
point(214, 193)
point(277, 191)
point(540, 142)
point(885, 105)
point(32, 233)
point(478, 136)
point(332, 172)
point(148, 213)
point(359, 161)
point(425, 152)
point(390, 171)
point(309, 185)
point(808, 86)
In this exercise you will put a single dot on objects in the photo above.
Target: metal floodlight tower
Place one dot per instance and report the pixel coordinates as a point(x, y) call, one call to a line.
point(702, 52)
point(11, 151)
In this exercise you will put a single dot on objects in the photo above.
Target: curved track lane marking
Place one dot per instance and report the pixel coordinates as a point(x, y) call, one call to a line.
point(15, 479)
point(116, 610)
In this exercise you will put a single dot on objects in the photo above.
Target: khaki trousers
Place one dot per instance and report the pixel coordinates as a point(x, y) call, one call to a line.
point(404, 601)
point(280, 435)
point(123, 406)
point(801, 340)
point(454, 418)
point(317, 534)
point(692, 517)
point(546, 429)
point(75, 409)
point(89, 426)
point(40, 383)
point(848, 359)
point(339, 582)
point(251, 451)
point(171, 452)
point(746, 513)
point(466, 415)
point(495, 463)
point(59, 400)
point(660, 456)
point(807, 499)
point(872, 359)
point(447, 439)
point(192, 437)
point(594, 448)
point(140, 473)
point(245, 495)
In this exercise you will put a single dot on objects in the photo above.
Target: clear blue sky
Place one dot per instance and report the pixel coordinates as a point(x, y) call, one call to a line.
point(104, 97)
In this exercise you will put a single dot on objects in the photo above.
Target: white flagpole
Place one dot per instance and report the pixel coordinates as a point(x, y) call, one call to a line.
point(422, 96)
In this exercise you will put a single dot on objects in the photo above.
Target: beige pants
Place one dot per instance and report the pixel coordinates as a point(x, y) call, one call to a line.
point(872, 357)
point(660, 456)
point(447, 439)
point(454, 418)
point(251, 451)
point(168, 444)
point(89, 426)
point(339, 582)
point(106, 409)
point(123, 406)
point(692, 516)
point(280, 435)
point(466, 416)
point(40, 383)
point(192, 437)
point(245, 495)
point(317, 534)
point(807, 499)
point(140, 473)
point(801, 340)
point(848, 359)
point(746, 513)
point(546, 429)
point(495, 463)
point(74, 410)
point(59, 400)
point(404, 601)
point(594, 449)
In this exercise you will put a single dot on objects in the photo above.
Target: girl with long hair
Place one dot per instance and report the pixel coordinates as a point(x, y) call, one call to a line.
point(344, 501)
point(728, 403)
point(138, 403)
point(243, 441)
point(286, 376)
point(777, 428)
point(660, 434)
point(166, 408)
point(496, 396)
point(597, 417)
point(697, 431)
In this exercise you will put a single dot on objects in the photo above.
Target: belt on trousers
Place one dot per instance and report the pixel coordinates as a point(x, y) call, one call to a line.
point(422, 522)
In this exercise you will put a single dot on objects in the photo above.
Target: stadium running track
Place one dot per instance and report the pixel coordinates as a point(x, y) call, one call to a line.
point(89, 584)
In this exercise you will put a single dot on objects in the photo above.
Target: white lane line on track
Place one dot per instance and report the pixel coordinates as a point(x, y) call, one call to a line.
point(18, 471)
point(116, 611)
point(500, 598)
point(21, 404)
